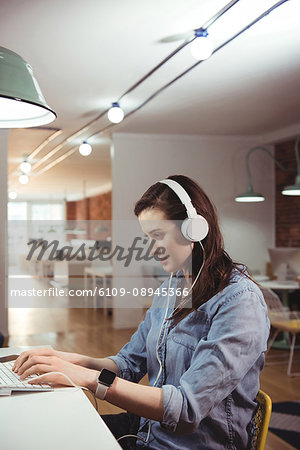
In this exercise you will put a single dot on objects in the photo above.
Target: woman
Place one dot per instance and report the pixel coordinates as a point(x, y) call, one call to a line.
point(202, 348)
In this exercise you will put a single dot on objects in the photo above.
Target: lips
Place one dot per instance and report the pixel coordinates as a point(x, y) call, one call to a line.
point(164, 261)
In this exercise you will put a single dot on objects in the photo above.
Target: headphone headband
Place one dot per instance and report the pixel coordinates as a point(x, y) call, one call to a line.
point(183, 196)
point(195, 227)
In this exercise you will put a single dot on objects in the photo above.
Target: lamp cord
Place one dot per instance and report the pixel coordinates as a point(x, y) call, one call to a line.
point(259, 147)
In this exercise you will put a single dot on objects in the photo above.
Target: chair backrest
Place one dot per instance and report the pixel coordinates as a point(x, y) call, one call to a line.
point(262, 419)
point(272, 300)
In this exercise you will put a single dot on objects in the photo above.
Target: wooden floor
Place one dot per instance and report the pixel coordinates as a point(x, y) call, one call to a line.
point(90, 332)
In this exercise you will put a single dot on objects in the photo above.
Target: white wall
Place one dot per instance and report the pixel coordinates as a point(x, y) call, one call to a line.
point(3, 233)
point(218, 164)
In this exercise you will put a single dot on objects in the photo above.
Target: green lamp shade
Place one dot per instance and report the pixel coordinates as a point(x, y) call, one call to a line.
point(22, 103)
point(293, 189)
point(249, 196)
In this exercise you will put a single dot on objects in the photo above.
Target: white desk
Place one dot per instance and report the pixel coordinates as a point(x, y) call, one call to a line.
point(283, 286)
point(280, 285)
point(51, 420)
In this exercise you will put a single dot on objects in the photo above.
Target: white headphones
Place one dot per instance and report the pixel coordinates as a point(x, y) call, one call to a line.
point(195, 227)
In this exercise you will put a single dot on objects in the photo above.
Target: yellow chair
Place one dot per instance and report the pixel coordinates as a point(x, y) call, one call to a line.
point(262, 419)
point(282, 319)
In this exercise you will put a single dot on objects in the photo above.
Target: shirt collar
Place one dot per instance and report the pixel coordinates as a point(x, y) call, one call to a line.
point(179, 274)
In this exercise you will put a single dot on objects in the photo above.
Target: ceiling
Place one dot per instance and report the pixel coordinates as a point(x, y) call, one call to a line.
point(85, 55)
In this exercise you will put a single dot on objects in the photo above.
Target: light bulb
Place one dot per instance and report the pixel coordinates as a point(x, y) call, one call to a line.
point(25, 167)
point(23, 179)
point(12, 195)
point(85, 149)
point(201, 48)
point(115, 113)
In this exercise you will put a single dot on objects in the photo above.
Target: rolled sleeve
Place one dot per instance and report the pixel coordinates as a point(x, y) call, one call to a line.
point(124, 371)
point(173, 400)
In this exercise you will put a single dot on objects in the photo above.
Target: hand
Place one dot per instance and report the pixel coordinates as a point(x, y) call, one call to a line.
point(30, 363)
point(73, 358)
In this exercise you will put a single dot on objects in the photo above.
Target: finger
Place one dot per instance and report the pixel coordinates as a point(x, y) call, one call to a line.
point(52, 379)
point(20, 360)
point(34, 360)
point(25, 356)
point(39, 364)
point(37, 369)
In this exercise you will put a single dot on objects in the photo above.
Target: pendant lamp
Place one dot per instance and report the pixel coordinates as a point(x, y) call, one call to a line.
point(22, 103)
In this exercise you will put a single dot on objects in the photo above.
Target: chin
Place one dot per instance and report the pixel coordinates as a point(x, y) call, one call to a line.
point(169, 267)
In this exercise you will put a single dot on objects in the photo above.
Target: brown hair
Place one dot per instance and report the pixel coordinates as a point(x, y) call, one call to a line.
point(218, 266)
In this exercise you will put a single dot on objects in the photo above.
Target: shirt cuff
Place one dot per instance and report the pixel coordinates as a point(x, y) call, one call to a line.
point(173, 400)
point(124, 371)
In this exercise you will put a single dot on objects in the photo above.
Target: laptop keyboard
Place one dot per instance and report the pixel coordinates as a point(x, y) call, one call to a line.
point(10, 380)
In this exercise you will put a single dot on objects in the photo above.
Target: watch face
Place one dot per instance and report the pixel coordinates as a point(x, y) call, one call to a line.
point(106, 377)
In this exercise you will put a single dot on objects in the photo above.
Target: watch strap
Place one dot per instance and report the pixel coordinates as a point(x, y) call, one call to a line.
point(101, 391)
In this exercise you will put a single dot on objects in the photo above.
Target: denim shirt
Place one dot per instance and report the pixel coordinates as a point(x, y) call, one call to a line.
point(211, 365)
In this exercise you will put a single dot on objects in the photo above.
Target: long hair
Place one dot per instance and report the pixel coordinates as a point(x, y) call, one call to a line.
point(218, 265)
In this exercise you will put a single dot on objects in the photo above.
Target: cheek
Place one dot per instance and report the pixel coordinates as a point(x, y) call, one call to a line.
point(179, 251)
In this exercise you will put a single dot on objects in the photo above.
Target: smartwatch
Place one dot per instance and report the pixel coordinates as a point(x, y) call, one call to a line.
point(105, 380)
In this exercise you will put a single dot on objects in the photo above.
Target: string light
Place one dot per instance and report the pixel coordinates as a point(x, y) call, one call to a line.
point(23, 178)
point(85, 149)
point(115, 113)
point(12, 195)
point(201, 47)
point(116, 107)
point(25, 166)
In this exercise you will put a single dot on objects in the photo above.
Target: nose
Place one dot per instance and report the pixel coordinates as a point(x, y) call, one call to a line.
point(156, 249)
point(160, 252)
point(153, 247)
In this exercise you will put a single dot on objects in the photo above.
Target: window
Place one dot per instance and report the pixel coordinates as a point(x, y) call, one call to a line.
point(17, 210)
point(47, 211)
point(35, 211)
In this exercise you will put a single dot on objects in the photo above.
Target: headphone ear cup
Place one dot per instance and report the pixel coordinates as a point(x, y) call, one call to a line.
point(195, 229)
